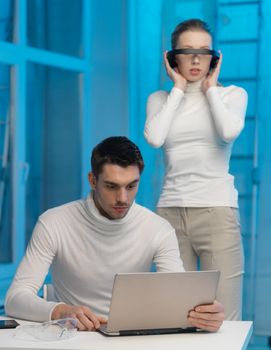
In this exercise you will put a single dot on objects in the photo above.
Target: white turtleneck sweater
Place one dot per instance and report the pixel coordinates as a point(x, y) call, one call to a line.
point(85, 250)
point(197, 131)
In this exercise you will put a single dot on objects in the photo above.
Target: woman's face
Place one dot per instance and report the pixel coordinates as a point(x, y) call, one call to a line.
point(194, 67)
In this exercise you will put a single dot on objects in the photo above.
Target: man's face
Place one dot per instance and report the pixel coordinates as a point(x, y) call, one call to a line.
point(115, 189)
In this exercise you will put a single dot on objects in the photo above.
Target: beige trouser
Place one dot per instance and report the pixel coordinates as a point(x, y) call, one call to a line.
point(209, 238)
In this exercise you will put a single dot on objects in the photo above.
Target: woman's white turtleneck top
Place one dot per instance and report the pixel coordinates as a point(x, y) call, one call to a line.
point(85, 250)
point(196, 131)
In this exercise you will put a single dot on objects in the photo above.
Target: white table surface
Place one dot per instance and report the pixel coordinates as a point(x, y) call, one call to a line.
point(233, 335)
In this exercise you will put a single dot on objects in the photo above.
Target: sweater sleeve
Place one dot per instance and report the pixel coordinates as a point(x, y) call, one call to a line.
point(167, 257)
point(161, 109)
point(228, 112)
point(22, 300)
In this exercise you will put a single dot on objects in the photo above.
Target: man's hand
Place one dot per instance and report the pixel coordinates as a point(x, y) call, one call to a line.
point(208, 317)
point(212, 78)
point(174, 74)
point(87, 320)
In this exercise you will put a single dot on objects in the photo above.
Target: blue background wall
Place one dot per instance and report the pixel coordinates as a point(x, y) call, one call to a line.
point(74, 72)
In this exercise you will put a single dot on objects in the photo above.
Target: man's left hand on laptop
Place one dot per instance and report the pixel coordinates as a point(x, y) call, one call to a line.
point(208, 317)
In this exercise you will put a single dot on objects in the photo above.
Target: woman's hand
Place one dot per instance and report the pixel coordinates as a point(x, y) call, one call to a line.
point(174, 74)
point(212, 78)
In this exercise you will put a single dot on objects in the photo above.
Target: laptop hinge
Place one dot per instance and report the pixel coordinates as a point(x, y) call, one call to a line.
point(157, 331)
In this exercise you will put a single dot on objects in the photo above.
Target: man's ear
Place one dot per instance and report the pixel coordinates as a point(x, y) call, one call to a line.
point(92, 180)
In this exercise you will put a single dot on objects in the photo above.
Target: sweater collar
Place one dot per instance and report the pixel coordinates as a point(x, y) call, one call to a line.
point(192, 87)
point(105, 224)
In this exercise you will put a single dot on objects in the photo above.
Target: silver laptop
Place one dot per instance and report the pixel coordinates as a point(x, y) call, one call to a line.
point(157, 302)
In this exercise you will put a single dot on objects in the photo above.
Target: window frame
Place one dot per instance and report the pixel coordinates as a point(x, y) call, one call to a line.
point(17, 55)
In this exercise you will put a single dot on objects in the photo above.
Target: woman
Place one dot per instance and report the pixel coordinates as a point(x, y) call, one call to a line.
point(196, 123)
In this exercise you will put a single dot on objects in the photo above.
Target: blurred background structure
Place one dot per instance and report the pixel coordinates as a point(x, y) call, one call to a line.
point(73, 72)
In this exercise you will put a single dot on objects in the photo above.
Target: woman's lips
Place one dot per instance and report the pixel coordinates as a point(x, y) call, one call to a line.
point(194, 71)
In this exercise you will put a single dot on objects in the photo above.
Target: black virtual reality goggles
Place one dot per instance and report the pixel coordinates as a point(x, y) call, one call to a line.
point(171, 55)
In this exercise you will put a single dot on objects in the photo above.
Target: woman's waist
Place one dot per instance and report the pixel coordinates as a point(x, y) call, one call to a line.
point(198, 183)
point(198, 192)
point(198, 159)
point(198, 174)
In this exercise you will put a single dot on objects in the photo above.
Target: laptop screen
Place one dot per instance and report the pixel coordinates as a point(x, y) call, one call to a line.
point(159, 300)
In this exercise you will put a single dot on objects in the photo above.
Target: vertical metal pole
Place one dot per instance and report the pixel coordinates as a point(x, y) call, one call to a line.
point(18, 98)
point(255, 186)
point(86, 139)
point(4, 162)
point(133, 48)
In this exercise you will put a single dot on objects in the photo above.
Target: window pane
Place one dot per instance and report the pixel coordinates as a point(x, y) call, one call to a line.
point(5, 166)
point(55, 25)
point(53, 148)
point(6, 20)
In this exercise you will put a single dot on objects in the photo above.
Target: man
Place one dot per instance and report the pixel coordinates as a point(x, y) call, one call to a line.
point(87, 242)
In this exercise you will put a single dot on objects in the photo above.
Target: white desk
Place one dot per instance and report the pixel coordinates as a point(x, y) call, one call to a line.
point(233, 335)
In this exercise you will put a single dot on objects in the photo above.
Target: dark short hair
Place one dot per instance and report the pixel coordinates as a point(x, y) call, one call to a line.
point(190, 24)
point(117, 150)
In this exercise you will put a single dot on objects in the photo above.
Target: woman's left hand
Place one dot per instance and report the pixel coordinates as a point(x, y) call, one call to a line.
point(212, 78)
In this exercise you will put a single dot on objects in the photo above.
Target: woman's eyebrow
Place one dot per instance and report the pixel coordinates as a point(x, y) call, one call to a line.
point(191, 47)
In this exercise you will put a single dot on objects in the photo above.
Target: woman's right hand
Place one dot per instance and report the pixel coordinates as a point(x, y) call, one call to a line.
point(174, 74)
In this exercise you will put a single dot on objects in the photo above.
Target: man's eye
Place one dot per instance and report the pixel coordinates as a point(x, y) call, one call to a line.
point(111, 187)
point(131, 187)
